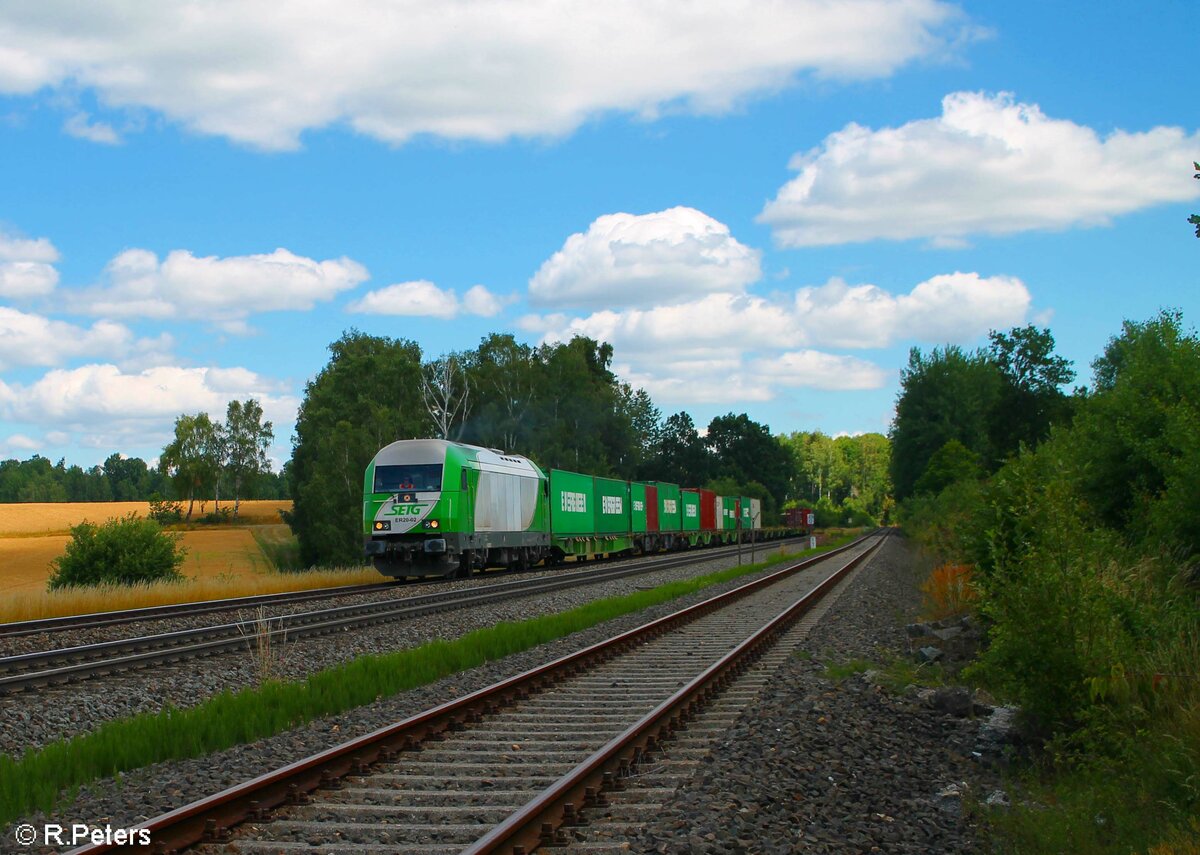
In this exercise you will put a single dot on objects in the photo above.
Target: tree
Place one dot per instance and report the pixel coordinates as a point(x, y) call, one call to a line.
point(368, 395)
point(446, 393)
point(949, 394)
point(246, 439)
point(951, 463)
point(1194, 219)
point(746, 451)
point(127, 551)
point(679, 455)
point(189, 457)
point(1137, 433)
point(502, 374)
point(1030, 399)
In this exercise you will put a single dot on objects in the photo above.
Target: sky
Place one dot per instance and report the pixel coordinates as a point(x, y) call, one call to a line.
point(762, 205)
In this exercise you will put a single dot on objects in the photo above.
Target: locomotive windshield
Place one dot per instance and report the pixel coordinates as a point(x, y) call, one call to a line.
point(412, 476)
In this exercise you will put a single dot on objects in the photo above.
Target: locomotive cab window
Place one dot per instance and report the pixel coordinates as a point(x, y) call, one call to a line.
point(411, 476)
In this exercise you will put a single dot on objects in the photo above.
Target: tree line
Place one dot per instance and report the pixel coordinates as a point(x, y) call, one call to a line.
point(559, 404)
point(205, 459)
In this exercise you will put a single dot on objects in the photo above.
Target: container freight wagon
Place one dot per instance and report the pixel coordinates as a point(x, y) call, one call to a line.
point(690, 501)
point(438, 508)
point(800, 520)
point(614, 524)
point(730, 509)
point(670, 515)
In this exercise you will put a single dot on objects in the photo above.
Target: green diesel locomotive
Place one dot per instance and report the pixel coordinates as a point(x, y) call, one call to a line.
point(437, 508)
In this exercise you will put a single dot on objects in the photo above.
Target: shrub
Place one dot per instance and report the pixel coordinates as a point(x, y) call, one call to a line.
point(164, 511)
point(948, 591)
point(124, 551)
point(220, 516)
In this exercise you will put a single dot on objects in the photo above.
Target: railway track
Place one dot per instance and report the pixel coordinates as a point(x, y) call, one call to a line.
point(28, 671)
point(571, 753)
point(174, 610)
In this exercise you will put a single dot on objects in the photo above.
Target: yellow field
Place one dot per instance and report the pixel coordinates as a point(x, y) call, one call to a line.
point(221, 561)
point(58, 517)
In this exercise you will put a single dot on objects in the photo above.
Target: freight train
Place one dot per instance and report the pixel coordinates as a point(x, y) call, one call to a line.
point(432, 507)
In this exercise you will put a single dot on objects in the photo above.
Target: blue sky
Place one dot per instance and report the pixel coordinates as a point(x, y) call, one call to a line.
point(763, 206)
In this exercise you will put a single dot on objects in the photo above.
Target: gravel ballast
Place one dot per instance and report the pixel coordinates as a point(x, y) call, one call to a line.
point(836, 766)
point(32, 719)
point(145, 793)
point(813, 765)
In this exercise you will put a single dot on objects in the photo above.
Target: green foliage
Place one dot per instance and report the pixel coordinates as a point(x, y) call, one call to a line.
point(1084, 550)
point(948, 395)
point(951, 463)
point(845, 479)
point(124, 551)
point(39, 778)
point(678, 454)
point(991, 401)
point(193, 457)
point(744, 450)
point(1138, 435)
point(366, 397)
point(246, 438)
point(1194, 219)
point(164, 511)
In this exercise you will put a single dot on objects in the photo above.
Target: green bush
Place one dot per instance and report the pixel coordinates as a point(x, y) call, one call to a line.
point(164, 511)
point(125, 551)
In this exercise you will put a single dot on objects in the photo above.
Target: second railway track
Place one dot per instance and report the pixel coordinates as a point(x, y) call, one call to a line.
point(533, 759)
point(29, 671)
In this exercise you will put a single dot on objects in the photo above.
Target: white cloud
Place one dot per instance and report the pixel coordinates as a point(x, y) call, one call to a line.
point(26, 267)
point(772, 344)
point(424, 299)
point(19, 442)
point(29, 339)
point(111, 407)
point(812, 369)
point(692, 382)
point(79, 125)
point(221, 290)
point(952, 307)
point(987, 165)
point(626, 259)
point(480, 301)
point(262, 74)
point(24, 249)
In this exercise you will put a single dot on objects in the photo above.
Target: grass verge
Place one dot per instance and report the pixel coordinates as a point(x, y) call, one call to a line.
point(40, 779)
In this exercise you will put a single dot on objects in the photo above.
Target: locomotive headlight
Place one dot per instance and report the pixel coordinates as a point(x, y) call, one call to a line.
point(383, 525)
point(433, 524)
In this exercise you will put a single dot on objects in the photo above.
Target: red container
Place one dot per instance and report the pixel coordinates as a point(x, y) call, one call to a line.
point(708, 510)
point(798, 517)
point(651, 508)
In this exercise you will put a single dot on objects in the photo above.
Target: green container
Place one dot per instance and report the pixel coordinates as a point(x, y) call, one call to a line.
point(612, 506)
point(572, 504)
point(747, 517)
point(691, 510)
point(670, 507)
point(729, 508)
point(637, 507)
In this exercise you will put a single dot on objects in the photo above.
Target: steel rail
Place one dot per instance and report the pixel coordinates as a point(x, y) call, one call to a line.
point(93, 620)
point(96, 619)
point(17, 673)
point(208, 819)
point(541, 821)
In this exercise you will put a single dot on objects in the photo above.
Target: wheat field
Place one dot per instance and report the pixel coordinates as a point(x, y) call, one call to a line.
point(38, 518)
point(221, 561)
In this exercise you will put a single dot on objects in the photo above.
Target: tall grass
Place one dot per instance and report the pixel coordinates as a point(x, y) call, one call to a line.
point(41, 778)
point(34, 605)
